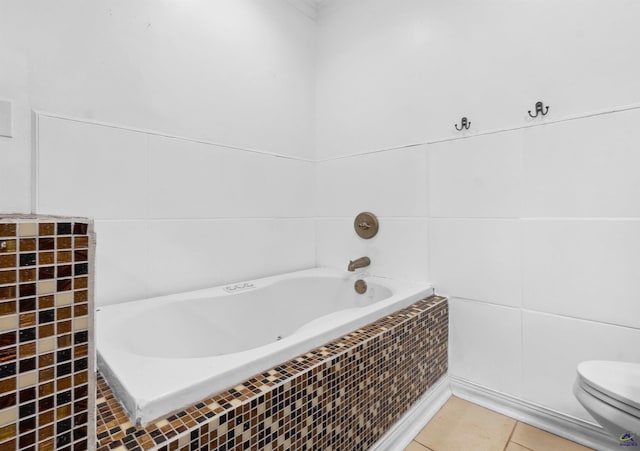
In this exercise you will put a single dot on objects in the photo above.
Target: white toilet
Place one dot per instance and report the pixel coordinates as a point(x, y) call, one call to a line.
point(610, 392)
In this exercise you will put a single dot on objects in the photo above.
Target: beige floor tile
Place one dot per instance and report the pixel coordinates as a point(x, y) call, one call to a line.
point(461, 426)
point(539, 440)
point(512, 446)
point(415, 446)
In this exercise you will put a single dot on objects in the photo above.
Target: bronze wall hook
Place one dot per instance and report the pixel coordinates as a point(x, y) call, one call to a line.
point(539, 110)
point(464, 124)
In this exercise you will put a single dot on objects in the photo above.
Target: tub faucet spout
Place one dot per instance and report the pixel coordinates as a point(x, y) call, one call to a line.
point(358, 263)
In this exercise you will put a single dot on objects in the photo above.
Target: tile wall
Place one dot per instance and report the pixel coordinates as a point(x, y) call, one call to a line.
point(534, 236)
point(188, 214)
point(393, 185)
point(532, 233)
point(533, 228)
point(343, 395)
point(46, 370)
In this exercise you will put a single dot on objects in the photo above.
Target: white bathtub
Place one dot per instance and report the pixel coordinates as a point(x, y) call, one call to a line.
point(164, 353)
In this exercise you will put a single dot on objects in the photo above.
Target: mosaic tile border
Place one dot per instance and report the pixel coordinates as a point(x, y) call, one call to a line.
point(47, 396)
point(343, 395)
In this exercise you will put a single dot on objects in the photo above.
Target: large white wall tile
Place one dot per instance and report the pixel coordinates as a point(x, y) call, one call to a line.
point(260, 185)
point(176, 184)
point(337, 243)
point(392, 183)
point(195, 180)
point(552, 348)
point(400, 250)
point(122, 256)
point(476, 177)
point(185, 255)
point(586, 167)
point(583, 268)
point(90, 170)
point(184, 179)
point(477, 259)
point(485, 345)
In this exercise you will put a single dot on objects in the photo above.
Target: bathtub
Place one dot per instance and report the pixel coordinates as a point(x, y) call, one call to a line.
point(164, 353)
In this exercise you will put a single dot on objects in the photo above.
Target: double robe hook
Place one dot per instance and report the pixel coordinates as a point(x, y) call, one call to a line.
point(539, 107)
point(464, 124)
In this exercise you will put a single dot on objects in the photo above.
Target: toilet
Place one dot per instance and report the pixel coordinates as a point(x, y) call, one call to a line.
point(610, 392)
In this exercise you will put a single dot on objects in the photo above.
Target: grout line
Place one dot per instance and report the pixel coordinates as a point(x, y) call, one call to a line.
point(538, 312)
point(253, 218)
point(168, 135)
point(211, 219)
point(604, 112)
point(583, 218)
point(538, 219)
point(611, 110)
point(558, 315)
point(350, 218)
point(510, 435)
point(526, 447)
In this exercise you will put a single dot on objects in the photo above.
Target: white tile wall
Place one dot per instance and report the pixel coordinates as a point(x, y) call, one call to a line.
point(389, 183)
point(170, 256)
point(543, 220)
point(184, 179)
point(337, 243)
point(476, 177)
point(195, 180)
point(552, 347)
point(586, 168)
point(400, 250)
point(91, 170)
point(259, 185)
point(489, 356)
point(186, 255)
point(477, 259)
point(122, 253)
point(583, 268)
point(174, 214)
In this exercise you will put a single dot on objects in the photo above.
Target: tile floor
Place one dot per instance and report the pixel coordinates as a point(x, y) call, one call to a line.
point(460, 426)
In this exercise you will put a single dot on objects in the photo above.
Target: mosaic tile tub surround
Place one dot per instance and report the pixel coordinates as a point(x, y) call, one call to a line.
point(343, 396)
point(46, 373)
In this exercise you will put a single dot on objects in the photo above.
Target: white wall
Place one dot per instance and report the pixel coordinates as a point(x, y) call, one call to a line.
point(184, 128)
point(174, 214)
point(393, 186)
point(397, 73)
point(235, 72)
point(533, 231)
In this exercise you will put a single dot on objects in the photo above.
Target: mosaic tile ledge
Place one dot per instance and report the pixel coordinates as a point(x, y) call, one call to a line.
point(343, 395)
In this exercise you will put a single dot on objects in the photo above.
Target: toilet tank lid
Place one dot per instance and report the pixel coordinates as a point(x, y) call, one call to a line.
point(620, 380)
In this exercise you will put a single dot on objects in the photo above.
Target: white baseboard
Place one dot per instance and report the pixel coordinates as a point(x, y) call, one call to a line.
point(571, 428)
point(407, 427)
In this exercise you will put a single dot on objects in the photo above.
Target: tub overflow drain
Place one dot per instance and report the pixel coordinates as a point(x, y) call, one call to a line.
point(279, 337)
point(360, 286)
